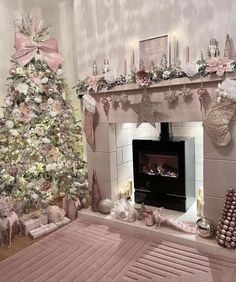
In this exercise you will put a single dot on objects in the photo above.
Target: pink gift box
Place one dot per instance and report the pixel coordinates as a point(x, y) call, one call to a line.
point(29, 224)
point(42, 230)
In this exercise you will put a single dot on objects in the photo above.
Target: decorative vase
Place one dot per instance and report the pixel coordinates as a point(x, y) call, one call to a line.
point(205, 228)
point(96, 197)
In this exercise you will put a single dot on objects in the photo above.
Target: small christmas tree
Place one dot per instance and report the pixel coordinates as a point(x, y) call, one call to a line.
point(163, 62)
point(228, 51)
point(40, 138)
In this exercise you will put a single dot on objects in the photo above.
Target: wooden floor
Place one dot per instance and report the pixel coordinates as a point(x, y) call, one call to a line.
point(19, 242)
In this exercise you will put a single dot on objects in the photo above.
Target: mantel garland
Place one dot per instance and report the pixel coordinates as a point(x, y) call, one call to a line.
point(217, 65)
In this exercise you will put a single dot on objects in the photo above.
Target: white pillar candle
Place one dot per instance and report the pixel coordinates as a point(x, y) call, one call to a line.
point(186, 55)
point(125, 67)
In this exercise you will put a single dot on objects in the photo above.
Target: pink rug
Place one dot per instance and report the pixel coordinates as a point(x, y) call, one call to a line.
point(85, 251)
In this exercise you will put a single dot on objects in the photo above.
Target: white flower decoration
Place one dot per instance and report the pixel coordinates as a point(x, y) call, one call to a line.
point(38, 99)
point(8, 101)
point(9, 124)
point(22, 88)
point(50, 101)
point(44, 80)
point(45, 140)
point(13, 132)
point(59, 72)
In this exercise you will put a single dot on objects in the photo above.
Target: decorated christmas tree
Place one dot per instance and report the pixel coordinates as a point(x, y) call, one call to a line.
point(40, 137)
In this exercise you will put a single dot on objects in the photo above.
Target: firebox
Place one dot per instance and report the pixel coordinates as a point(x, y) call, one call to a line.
point(164, 172)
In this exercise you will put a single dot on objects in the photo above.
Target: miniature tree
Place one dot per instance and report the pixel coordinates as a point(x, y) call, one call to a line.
point(40, 138)
point(163, 62)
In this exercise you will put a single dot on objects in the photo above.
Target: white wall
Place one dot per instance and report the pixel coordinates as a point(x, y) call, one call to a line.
point(105, 28)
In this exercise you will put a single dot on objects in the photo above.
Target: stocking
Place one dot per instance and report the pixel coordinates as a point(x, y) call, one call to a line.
point(90, 107)
point(221, 112)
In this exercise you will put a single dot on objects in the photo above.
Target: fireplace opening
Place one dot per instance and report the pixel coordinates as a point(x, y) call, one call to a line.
point(164, 172)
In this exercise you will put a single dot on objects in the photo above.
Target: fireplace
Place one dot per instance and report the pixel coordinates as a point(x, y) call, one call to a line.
point(164, 171)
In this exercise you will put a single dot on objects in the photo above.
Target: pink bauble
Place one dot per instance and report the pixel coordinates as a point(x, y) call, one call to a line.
point(12, 71)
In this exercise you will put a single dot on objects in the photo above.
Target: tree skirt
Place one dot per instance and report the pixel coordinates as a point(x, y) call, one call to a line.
point(86, 251)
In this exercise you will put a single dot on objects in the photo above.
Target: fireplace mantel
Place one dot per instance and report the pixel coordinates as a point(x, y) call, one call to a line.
point(184, 110)
point(218, 161)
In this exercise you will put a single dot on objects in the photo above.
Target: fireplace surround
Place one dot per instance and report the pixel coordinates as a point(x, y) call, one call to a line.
point(218, 162)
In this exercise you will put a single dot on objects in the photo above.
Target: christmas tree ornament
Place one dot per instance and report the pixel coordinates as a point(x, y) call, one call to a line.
point(186, 93)
point(226, 228)
point(105, 206)
point(202, 93)
point(90, 108)
point(114, 100)
point(146, 110)
point(95, 197)
point(171, 96)
point(205, 228)
point(217, 120)
point(106, 105)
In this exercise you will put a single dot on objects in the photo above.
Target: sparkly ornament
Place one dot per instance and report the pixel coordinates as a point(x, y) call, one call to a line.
point(114, 100)
point(124, 98)
point(205, 228)
point(186, 92)
point(105, 206)
point(106, 105)
point(171, 96)
point(202, 92)
point(226, 229)
point(146, 110)
point(12, 71)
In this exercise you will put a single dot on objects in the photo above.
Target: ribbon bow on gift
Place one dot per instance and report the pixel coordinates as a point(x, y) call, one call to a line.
point(26, 49)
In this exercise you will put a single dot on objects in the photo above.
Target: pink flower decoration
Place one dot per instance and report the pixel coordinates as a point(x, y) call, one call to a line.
point(37, 80)
point(93, 82)
point(219, 65)
point(142, 78)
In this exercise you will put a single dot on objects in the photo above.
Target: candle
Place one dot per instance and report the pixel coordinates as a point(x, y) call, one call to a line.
point(175, 48)
point(187, 55)
point(125, 67)
point(132, 57)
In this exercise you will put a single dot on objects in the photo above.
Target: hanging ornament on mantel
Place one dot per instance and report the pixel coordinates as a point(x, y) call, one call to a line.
point(171, 96)
point(186, 92)
point(146, 110)
point(106, 105)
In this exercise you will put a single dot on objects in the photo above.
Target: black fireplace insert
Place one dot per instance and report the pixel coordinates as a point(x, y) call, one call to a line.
point(164, 172)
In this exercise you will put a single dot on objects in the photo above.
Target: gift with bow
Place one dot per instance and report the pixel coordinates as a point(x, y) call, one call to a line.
point(27, 48)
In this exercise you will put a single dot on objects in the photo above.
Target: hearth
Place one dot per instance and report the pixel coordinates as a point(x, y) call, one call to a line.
point(164, 171)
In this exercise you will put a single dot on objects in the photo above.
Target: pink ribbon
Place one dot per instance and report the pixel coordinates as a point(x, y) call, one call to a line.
point(26, 49)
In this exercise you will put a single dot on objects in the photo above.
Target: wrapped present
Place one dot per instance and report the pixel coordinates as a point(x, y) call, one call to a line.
point(71, 207)
point(63, 222)
point(55, 214)
point(42, 230)
point(31, 221)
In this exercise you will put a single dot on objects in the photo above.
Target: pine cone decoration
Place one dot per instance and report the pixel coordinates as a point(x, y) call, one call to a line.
point(142, 78)
point(226, 231)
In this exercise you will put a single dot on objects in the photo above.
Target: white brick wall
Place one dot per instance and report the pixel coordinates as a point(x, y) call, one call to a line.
point(126, 132)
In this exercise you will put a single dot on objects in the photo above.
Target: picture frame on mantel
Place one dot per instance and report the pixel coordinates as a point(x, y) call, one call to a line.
point(152, 50)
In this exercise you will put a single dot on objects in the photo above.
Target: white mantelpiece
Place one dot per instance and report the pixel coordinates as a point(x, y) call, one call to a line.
point(218, 162)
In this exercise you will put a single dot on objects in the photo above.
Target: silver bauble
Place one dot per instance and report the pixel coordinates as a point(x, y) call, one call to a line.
point(105, 206)
point(205, 228)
